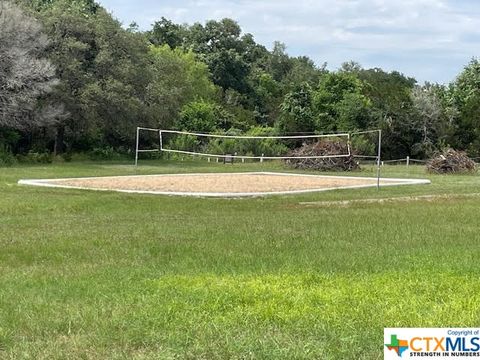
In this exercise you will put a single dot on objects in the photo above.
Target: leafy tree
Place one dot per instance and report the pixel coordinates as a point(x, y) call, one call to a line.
point(121, 73)
point(280, 63)
point(466, 98)
point(389, 91)
point(339, 103)
point(351, 67)
point(229, 70)
point(392, 107)
point(103, 71)
point(302, 69)
point(87, 6)
point(353, 112)
point(177, 78)
point(243, 116)
point(254, 54)
point(297, 113)
point(203, 116)
point(267, 96)
point(450, 115)
point(224, 50)
point(165, 32)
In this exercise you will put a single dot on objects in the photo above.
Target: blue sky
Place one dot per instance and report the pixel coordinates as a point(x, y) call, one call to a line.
point(431, 40)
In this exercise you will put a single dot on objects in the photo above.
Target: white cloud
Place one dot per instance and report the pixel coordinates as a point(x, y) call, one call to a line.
point(429, 39)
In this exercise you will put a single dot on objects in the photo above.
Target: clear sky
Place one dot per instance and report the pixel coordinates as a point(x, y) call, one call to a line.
point(431, 40)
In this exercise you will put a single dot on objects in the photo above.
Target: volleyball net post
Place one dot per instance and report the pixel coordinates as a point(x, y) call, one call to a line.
point(137, 142)
point(378, 153)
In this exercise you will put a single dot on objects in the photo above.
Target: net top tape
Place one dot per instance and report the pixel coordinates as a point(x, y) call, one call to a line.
point(246, 136)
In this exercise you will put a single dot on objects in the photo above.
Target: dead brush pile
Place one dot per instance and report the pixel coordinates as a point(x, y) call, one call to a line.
point(323, 148)
point(451, 161)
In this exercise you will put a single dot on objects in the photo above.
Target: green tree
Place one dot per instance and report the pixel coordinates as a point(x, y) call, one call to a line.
point(165, 32)
point(297, 113)
point(203, 116)
point(267, 97)
point(302, 69)
point(224, 50)
point(466, 98)
point(280, 63)
point(339, 103)
point(392, 107)
point(103, 70)
point(177, 78)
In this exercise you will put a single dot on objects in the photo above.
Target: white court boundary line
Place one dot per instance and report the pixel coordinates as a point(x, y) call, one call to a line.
point(391, 182)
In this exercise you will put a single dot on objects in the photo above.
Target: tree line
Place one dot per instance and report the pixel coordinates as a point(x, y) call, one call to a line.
point(72, 79)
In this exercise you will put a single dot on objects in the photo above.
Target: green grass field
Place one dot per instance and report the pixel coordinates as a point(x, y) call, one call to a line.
point(104, 275)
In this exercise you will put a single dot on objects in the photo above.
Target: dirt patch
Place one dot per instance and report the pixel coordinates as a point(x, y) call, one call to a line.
point(426, 198)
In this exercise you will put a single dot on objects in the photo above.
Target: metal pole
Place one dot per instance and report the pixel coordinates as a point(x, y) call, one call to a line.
point(161, 141)
point(349, 145)
point(136, 147)
point(379, 158)
point(408, 161)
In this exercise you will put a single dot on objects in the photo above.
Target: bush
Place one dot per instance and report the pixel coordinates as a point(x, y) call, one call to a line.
point(268, 147)
point(184, 143)
point(67, 156)
point(6, 157)
point(36, 158)
point(104, 153)
point(220, 146)
point(451, 162)
point(364, 145)
point(248, 147)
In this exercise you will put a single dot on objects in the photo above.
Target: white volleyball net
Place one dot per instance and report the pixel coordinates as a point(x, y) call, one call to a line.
point(245, 147)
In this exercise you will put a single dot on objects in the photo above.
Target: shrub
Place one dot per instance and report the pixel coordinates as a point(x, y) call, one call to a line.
point(6, 157)
point(268, 147)
point(36, 157)
point(67, 156)
point(104, 153)
point(248, 147)
point(184, 143)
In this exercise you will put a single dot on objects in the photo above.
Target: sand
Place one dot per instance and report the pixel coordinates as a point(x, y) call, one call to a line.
point(217, 183)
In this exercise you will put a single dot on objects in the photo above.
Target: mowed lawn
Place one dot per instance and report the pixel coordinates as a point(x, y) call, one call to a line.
point(104, 275)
